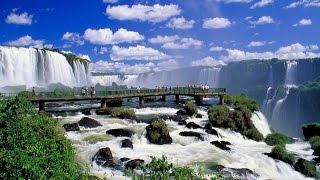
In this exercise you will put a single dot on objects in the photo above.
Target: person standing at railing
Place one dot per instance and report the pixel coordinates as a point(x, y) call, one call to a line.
point(83, 92)
point(33, 91)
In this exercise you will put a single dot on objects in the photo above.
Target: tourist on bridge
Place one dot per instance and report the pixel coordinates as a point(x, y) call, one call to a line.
point(33, 91)
point(83, 92)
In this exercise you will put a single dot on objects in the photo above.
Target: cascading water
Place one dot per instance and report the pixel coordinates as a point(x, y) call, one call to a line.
point(35, 67)
point(209, 76)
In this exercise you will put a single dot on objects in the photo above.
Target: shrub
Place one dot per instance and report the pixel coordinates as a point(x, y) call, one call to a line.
point(305, 167)
point(158, 132)
point(63, 92)
point(219, 116)
point(33, 146)
point(190, 108)
point(280, 153)
point(242, 100)
point(253, 134)
point(160, 168)
point(315, 145)
point(277, 139)
point(123, 113)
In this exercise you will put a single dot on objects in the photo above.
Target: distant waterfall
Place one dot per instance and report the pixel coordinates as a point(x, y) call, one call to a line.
point(209, 76)
point(35, 67)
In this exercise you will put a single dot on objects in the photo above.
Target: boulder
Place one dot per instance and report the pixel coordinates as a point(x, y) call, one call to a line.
point(124, 159)
point(225, 142)
point(86, 112)
point(221, 145)
point(317, 160)
point(106, 111)
point(182, 122)
point(316, 151)
point(104, 157)
point(212, 132)
point(192, 125)
point(181, 112)
point(158, 132)
point(311, 130)
point(120, 132)
point(192, 134)
point(198, 116)
point(89, 123)
point(133, 164)
point(71, 127)
point(164, 117)
point(126, 143)
point(305, 167)
point(178, 118)
point(208, 126)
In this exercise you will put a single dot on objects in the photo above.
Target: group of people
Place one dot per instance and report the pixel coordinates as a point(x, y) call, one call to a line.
point(85, 91)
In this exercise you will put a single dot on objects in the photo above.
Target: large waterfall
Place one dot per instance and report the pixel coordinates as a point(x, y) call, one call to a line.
point(35, 67)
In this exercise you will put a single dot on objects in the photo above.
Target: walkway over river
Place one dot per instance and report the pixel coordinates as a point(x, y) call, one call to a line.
point(198, 93)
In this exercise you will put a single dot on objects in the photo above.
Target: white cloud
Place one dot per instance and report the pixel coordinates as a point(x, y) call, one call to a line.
point(175, 42)
point(234, 1)
point(106, 36)
point(84, 56)
point(216, 48)
point(293, 51)
point(21, 19)
point(180, 23)
point(155, 13)
point(27, 41)
point(163, 39)
point(216, 23)
point(73, 37)
point(259, 43)
point(263, 20)
point(304, 3)
point(136, 53)
point(110, 1)
point(207, 61)
point(262, 3)
point(304, 22)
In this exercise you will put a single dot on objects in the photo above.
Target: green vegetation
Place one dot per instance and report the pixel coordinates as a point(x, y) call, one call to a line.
point(33, 146)
point(315, 145)
point(63, 92)
point(276, 139)
point(242, 100)
point(158, 132)
point(123, 113)
point(237, 120)
point(160, 169)
point(190, 108)
point(280, 153)
point(305, 167)
point(93, 139)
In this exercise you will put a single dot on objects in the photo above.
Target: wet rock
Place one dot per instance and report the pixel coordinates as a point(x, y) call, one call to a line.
point(305, 167)
point(126, 143)
point(164, 117)
point(192, 125)
point(124, 159)
point(120, 132)
point(178, 118)
point(89, 122)
point(241, 173)
point(133, 164)
point(208, 126)
point(212, 132)
point(198, 116)
point(317, 160)
point(192, 134)
point(86, 112)
point(158, 132)
point(311, 130)
point(181, 112)
point(221, 145)
point(182, 122)
point(225, 142)
point(106, 111)
point(104, 157)
point(71, 127)
point(316, 151)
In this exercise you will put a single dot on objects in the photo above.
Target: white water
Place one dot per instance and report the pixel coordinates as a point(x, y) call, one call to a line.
point(184, 150)
point(261, 123)
point(34, 67)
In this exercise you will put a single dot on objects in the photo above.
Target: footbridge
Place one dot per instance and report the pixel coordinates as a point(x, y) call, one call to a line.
point(41, 98)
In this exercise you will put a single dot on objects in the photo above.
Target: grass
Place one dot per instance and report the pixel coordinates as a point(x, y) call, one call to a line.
point(123, 113)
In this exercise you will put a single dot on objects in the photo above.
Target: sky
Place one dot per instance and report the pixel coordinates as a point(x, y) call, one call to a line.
point(140, 36)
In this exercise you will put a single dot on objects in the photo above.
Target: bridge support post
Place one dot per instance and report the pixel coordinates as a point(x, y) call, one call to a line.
point(103, 104)
point(198, 99)
point(221, 100)
point(42, 107)
point(177, 98)
point(163, 98)
point(141, 101)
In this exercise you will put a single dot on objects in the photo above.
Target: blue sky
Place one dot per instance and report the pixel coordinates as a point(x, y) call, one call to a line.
point(142, 36)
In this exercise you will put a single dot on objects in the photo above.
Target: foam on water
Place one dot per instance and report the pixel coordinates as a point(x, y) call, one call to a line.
point(261, 123)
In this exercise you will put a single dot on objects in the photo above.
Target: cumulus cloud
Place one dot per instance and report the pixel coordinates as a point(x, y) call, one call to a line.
point(155, 13)
point(84, 56)
point(73, 38)
point(20, 19)
point(110, 1)
point(262, 20)
point(234, 1)
point(216, 48)
point(304, 22)
point(294, 51)
point(106, 36)
point(207, 61)
point(136, 53)
point(216, 23)
point(261, 3)
point(175, 42)
point(27, 41)
point(180, 23)
point(304, 3)
point(120, 67)
point(258, 43)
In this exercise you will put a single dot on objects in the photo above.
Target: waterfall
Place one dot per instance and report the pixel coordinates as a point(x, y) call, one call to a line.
point(209, 76)
point(35, 67)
